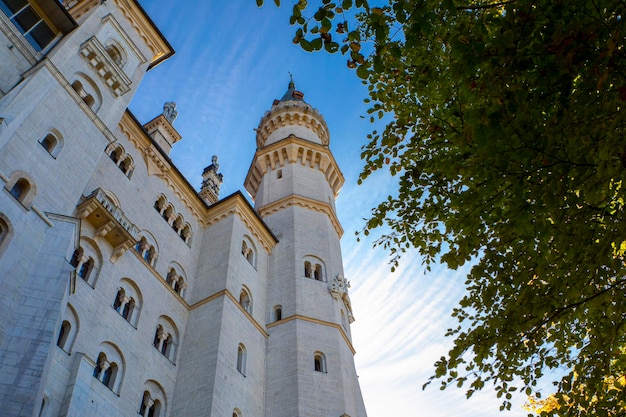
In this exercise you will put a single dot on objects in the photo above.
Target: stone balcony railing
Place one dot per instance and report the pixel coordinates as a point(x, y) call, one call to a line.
point(100, 61)
point(109, 222)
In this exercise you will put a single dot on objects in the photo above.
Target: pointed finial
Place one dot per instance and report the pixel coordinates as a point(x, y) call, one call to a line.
point(291, 83)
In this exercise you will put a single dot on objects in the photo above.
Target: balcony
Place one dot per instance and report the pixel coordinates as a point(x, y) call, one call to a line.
point(109, 221)
point(102, 63)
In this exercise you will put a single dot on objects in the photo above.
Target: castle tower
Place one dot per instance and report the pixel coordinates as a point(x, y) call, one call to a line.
point(294, 181)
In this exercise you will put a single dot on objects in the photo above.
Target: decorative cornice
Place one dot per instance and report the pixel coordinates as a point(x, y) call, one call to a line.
point(228, 295)
point(316, 321)
point(236, 205)
point(161, 166)
point(293, 150)
point(292, 113)
point(304, 202)
point(161, 122)
point(146, 29)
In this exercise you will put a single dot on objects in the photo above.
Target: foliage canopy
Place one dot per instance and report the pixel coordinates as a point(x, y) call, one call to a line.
point(508, 142)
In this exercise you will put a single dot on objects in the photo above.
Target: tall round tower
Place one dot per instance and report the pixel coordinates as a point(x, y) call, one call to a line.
point(294, 181)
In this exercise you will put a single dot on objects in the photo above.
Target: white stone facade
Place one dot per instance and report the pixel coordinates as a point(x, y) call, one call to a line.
point(127, 292)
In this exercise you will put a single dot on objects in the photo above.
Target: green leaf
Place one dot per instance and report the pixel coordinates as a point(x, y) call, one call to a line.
point(306, 45)
point(362, 72)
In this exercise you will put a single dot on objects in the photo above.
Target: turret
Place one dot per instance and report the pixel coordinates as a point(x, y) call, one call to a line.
point(294, 180)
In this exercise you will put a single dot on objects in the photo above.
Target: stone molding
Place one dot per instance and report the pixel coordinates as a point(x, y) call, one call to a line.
point(304, 202)
point(316, 321)
point(236, 205)
point(150, 34)
point(293, 150)
point(291, 113)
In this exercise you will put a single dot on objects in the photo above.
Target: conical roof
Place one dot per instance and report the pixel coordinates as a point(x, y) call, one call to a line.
point(292, 94)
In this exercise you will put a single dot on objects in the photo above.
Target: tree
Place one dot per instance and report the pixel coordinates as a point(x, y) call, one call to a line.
point(508, 142)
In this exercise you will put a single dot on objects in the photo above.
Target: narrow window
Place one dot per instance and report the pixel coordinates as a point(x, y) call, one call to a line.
point(85, 269)
point(49, 143)
point(241, 359)
point(279, 174)
point(128, 309)
point(278, 313)
point(119, 298)
point(78, 253)
point(245, 300)
point(64, 333)
point(307, 269)
point(317, 273)
point(20, 189)
point(319, 362)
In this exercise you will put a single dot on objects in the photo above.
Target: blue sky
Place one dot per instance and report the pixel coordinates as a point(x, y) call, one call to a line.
point(232, 60)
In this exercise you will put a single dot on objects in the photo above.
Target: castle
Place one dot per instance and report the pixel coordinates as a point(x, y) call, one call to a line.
point(125, 292)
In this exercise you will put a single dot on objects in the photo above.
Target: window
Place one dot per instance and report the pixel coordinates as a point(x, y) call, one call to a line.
point(241, 359)
point(19, 189)
point(84, 95)
point(51, 143)
point(313, 268)
point(277, 314)
point(279, 174)
point(105, 371)
point(146, 251)
point(247, 250)
point(245, 300)
point(149, 407)
point(127, 302)
point(115, 54)
point(28, 22)
point(121, 159)
point(85, 269)
point(6, 232)
point(64, 333)
point(319, 362)
point(166, 338)
point(68, 329)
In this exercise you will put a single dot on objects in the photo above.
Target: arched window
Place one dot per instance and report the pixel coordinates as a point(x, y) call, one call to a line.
point(6, 232)
point(116, 154)
point(86, 268)
point(319, 362)
point(105, 371)
point(152, 401)
point(241, 359)
point(146, 251)
point(245, 300)
point(317, 272)
point(64, 334)
point(185, 233)
point(159, 204)
point(52, 144)
point(314, 268)
point(237, 413)
point(126, 166)
point(127, 304)
point(247, 250)
point(166, 338)
point(277, 313)
point(115, 54)
point(20, 189)
point(80, 90)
